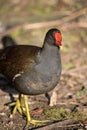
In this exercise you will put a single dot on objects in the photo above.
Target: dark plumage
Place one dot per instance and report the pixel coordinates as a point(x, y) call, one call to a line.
point(7, 40)
point(33, 70)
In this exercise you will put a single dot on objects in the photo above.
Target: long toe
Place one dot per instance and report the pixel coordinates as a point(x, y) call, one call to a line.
point(38, 122)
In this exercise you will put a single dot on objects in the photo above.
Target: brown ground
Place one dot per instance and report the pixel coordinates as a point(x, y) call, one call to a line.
point(72, 89)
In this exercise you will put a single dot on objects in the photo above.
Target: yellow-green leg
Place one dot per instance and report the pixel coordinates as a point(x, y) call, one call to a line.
point(17, 106)
point(29, 119)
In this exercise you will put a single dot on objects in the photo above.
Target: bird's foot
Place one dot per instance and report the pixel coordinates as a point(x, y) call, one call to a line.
point(17, 106)
point(36, 123)
point(29, 119)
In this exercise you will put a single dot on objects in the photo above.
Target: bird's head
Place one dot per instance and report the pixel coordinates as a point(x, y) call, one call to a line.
point(54, 37)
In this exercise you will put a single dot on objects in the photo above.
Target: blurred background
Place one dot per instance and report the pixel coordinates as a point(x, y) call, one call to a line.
point(19, 19)
point(27, 23)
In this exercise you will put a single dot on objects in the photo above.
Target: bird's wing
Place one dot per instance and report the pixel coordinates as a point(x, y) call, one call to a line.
point(20, 51)
point(18, 58)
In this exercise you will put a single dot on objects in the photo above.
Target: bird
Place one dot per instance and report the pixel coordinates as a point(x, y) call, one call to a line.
point(33, 70)
point(6, 41)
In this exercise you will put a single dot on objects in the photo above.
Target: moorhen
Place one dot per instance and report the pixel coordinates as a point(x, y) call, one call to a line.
point(33, 70)
point(6, 41)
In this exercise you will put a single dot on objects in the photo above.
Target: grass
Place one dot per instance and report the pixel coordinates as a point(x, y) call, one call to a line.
point(18, 33)
point(78, 5)
point(67, 48)
point(57, 113)
point(4, 9)
point(81, 93)
point(68, 66)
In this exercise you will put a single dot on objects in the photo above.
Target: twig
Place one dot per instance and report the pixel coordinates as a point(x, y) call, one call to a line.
point(28, 26)
point(55, 22)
